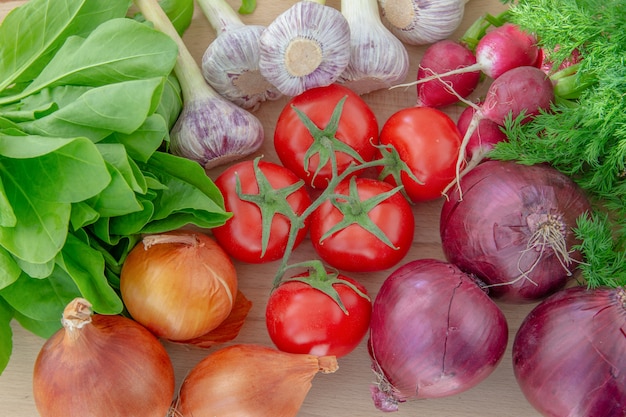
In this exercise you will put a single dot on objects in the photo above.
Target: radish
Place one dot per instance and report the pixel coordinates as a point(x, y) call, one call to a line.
point(441, 57)
point(520, 92)
point(504, 48)
point(487, 134)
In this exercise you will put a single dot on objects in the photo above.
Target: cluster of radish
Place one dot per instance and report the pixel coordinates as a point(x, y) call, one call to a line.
point(507, 234)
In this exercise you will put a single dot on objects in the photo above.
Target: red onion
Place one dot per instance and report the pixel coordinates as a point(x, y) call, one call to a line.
point(569, 354)
point(513, 228)
point(434, 332)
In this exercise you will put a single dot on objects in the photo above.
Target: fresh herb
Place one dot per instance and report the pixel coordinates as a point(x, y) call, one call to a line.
point(87, 99)
point(584, 137)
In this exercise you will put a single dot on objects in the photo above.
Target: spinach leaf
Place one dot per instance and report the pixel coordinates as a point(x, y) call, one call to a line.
point(41, 299)
point(180, 13)
point(9, 269)
point(6, 334)
point(120, 107)
point(106, 57)
point(33, 32)
point(85, 266)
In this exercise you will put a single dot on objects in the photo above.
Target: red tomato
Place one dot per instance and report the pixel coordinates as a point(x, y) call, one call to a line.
point(355, 248)
point(303, 319)
point(357, 127)
point(241, 235)
point(428, 141)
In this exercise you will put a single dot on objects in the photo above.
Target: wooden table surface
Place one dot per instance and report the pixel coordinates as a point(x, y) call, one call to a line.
point(346, 392)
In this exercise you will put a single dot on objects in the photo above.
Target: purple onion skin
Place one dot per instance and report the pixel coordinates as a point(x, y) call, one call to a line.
point(487, 233)
point(569, 354)
point(434, 333)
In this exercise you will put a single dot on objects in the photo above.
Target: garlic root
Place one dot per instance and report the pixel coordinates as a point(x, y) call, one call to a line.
point(306, 46)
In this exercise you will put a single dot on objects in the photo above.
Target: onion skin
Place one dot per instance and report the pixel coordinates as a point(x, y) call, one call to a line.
point(487, 233)
point(569, 354)
point(110, 367)
point(179, 289)
point(434, 333)
point(248, 380)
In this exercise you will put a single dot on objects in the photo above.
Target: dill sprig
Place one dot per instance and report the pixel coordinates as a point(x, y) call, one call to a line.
point(586, 137)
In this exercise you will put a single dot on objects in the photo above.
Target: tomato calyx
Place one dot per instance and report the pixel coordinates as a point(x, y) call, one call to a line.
point(272, 201)
point(355, 211)
point(394, 166)
point(322, 279)
point(325, 143)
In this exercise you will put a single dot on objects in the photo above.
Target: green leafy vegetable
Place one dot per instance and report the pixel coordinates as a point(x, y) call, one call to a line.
point(247, 6)
point(87, 99)
point(180, 13)
point(586, 137)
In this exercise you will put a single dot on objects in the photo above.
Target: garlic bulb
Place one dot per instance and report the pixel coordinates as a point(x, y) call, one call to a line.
point(210, 129)
point(377, 58)
point(421, 22)
point(306, 46)
point(230, 64)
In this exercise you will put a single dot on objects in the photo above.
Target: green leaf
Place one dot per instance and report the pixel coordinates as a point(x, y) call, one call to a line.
point(120, 107)
point(118, 50)
point(37, 165)
point(203, 204)
point(117, 199)
point(85, 266)
point(41, 328)
point(9, 269)
point(180, 13)
point(82, 215)
point(6, 334)
point(116, 155)
point(143, 142)
point(32, 33)
point(247, 6)
point(46, 298)
point(35, 270)
point(7, 215)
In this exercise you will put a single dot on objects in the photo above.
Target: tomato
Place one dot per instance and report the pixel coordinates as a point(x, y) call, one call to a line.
point(354, 247)
point(241, 235)
point(428, 141)
point(303, 319)
point(357, 127)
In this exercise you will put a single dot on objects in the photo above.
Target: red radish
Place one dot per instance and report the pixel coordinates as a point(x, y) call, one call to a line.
point(484, 138)
point(500, 50)
point(441, 57)
point(522, 90)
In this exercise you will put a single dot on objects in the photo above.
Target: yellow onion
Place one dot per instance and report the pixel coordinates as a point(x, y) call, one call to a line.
point(180, 285)
point(102, 365)
point(249, 380)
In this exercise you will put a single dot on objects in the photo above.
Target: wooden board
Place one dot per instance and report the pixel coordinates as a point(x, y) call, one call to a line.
point(345, 393)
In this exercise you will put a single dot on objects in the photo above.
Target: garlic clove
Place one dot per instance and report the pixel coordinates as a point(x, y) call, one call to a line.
point(210, 129)
point(306, 46)
point(377, 58)
point(421, 22)
point(213, 131)
point(231, 66)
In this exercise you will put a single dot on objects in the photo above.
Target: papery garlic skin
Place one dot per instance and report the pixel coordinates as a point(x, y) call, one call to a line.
point(378, 59)
point(215, 132)
point(306, 46)
point(210, 129)
point(230, 63)
point(421, 22)
point(231, 66)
